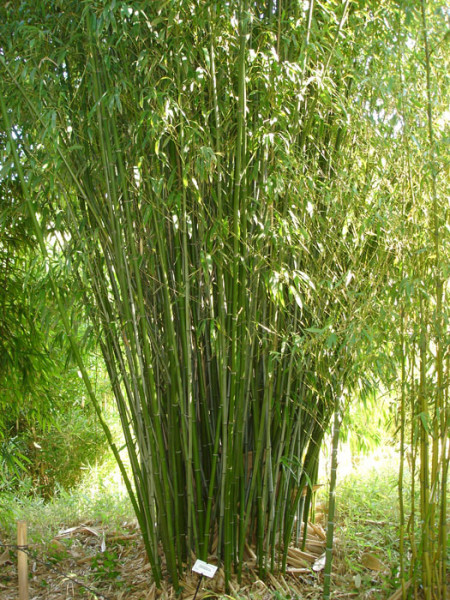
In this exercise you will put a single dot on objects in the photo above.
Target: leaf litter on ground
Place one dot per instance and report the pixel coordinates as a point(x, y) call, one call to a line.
point(114, 564)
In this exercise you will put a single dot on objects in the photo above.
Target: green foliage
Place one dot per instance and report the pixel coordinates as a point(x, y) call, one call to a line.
point(369, 423)
point(106, 567)
point(225, 184)
point(25, 361)
point(369, 492)
point(65, 449)
point(44, 432)
point(51, 446)
point(13, 461)
point(56, 552)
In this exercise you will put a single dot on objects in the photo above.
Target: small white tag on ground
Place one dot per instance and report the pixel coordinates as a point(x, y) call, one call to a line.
point(319, 564)
point(204, 568)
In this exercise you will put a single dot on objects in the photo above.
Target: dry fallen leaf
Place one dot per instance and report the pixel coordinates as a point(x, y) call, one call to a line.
point(398, 593)
point(372, 562)
point(56, 545)
point(4, 558)
point(319, 565)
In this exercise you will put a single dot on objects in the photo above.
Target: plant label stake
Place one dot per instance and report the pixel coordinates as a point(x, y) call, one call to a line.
point(22, 560)
point(203, 568)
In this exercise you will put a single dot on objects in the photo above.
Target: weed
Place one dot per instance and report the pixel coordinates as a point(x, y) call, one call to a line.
point(106, 567)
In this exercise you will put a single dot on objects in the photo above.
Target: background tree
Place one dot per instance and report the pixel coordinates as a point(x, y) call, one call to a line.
point(46, 428)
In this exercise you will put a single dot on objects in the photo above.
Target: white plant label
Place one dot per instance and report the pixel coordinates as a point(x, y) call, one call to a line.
point(204, 568)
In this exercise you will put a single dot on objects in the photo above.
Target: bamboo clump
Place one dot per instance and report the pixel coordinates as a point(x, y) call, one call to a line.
point(199, 303)
point(198, 161)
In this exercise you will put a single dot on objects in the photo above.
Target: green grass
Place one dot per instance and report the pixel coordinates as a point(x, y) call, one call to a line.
point(369, 491)
point(367, 524)
point(99, 499)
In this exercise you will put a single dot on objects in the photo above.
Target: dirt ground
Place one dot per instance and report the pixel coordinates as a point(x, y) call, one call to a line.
point(87, 561)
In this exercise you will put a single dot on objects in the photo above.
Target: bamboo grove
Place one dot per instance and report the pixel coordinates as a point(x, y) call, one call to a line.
point(423, 321)
point(206, 173)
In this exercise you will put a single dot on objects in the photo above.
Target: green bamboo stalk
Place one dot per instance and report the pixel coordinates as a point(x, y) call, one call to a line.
point(439, 417)
point(424, 457)
point(311, 441)
point(220, 315)
point(162, 493)
point(332, 502)
point(311, 111)
point(403, 366)
point(414, 446)
point(235, 362)
point(308, 36)
point(192, 536)
point(402, 446)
